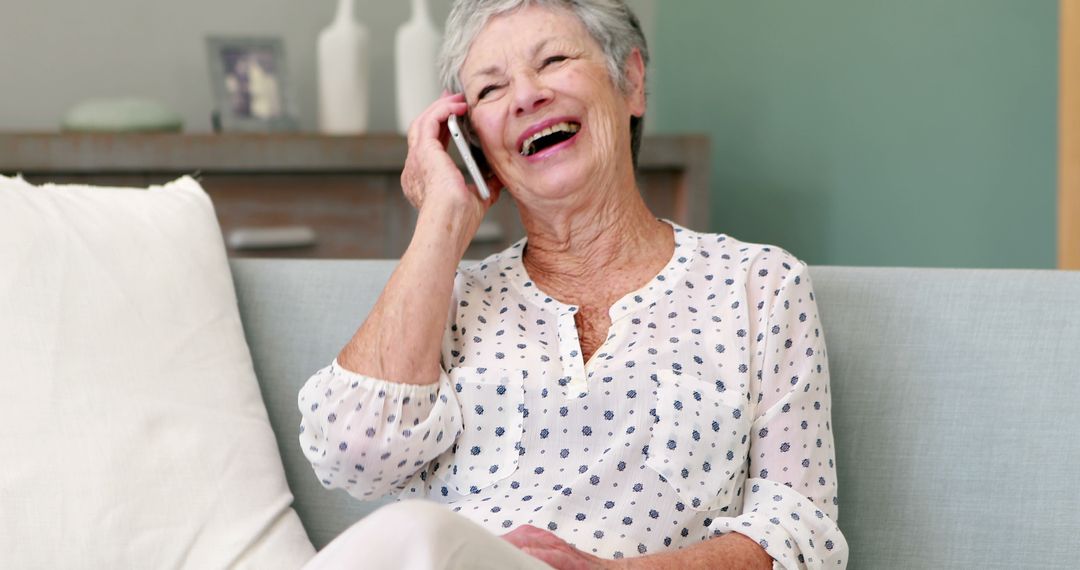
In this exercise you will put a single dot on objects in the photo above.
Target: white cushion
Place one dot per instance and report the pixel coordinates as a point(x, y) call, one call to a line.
point(132, 430)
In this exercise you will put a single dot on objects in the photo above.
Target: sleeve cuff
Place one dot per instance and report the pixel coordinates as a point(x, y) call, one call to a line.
point(789, 526)
point(371, 383)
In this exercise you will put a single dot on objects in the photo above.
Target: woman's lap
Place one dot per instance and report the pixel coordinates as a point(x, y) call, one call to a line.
point(418, 535)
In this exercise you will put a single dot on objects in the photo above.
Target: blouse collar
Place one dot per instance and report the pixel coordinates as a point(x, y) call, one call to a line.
point(663, 283)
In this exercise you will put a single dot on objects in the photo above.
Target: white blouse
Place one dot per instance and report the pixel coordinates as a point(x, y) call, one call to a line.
point(705, 411)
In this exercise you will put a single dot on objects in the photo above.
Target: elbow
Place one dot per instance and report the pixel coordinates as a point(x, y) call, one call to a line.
point(324, 448)
point(333, 462)
point(313, 445)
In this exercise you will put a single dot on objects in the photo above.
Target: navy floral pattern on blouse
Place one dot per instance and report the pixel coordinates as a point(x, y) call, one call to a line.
point(705, 411)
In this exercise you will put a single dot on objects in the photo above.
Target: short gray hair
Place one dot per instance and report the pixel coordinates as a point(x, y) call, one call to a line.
point(611, 24)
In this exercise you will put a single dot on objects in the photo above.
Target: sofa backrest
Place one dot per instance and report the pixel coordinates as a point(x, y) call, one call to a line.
point(955, 408)
point(955, 396)
point(297, 315)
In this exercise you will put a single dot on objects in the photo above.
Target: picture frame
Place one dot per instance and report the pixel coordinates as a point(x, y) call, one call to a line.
point(250, 84)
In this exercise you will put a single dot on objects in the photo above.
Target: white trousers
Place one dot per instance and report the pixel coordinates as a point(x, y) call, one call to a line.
point(420, 535)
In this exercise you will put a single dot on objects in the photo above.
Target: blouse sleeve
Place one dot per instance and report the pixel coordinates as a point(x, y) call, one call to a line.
point(370, 436)
point(790, 500)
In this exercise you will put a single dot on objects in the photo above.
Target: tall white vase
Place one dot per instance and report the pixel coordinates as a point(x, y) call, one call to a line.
point(344, 74)
point(416, 52)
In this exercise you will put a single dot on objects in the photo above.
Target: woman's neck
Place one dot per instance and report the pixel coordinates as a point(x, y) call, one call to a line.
point(570, 249)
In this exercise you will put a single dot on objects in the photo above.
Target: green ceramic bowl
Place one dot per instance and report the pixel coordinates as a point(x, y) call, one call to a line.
point(124, 115)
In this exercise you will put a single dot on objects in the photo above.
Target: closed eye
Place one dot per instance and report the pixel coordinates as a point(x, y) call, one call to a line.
point(485, 91)
point(553, 60)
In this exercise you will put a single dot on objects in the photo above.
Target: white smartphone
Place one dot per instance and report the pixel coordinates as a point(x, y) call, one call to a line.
point(467, 156)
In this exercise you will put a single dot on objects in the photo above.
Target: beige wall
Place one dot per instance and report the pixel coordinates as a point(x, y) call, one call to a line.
point(55, 53)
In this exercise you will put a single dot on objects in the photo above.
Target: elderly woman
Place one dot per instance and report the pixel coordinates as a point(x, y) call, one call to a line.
point(613, 390)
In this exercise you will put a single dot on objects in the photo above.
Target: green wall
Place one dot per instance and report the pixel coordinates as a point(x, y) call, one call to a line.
point(871, 132)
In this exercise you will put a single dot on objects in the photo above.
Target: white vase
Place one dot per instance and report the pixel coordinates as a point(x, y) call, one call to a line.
point(344, 74)
point(416, 52)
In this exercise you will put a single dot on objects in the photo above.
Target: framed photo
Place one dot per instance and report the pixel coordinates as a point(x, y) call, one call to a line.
point(250, 84)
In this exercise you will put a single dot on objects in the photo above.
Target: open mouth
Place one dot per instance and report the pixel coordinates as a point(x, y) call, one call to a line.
point(549, 137)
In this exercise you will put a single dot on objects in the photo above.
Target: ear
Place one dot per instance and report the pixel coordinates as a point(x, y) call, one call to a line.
point(635, 77)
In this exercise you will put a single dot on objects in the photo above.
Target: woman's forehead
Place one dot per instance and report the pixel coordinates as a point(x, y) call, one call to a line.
point(523, 32)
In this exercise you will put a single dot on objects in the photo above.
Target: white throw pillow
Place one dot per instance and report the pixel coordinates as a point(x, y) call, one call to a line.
point(132, 430)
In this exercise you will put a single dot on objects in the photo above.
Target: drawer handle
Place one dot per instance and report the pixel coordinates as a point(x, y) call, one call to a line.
point(271, 238)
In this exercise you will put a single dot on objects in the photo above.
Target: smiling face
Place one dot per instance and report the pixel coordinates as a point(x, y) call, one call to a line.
point(548, 117)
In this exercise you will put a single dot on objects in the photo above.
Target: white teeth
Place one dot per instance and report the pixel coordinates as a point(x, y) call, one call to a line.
point(527, 146)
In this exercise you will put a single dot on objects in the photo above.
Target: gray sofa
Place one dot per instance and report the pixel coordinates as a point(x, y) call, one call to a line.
point(956, 403)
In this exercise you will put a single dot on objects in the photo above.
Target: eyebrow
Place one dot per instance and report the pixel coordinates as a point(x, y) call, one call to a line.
point(495, 69)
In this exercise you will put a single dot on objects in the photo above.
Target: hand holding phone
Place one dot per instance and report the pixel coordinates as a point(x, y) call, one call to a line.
point(467, 156)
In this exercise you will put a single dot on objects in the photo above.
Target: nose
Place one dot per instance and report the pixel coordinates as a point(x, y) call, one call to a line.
point(530, 94)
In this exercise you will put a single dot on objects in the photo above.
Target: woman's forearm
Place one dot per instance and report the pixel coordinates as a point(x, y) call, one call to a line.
point(401, 338)
point(731, 550)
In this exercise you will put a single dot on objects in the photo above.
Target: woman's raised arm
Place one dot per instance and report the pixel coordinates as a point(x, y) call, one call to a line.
point(371, 421)
point(401, 338)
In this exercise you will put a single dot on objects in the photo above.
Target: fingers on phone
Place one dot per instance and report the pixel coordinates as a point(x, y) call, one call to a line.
point(431, 123)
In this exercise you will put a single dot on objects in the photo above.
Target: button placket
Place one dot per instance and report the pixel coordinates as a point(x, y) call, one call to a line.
point(572, 383)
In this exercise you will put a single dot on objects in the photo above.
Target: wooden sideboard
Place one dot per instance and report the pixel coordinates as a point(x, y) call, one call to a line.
point(345, 189)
